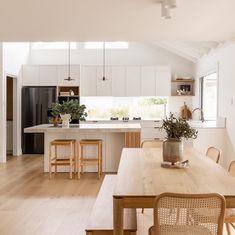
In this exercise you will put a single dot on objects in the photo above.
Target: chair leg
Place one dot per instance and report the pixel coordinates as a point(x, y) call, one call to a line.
point(228, 229)
point(75, 158)
point(142, 211)
point(101, 162)
point(81, 158)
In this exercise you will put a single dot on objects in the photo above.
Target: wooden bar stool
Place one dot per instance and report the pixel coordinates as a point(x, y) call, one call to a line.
point(69, 161)
point(97, 160)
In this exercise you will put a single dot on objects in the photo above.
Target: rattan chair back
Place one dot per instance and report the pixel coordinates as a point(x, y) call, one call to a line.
point(183, 214)
point(152, 143)
point(213, 153)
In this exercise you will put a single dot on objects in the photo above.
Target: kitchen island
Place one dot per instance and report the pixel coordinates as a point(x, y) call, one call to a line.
point(114, 137)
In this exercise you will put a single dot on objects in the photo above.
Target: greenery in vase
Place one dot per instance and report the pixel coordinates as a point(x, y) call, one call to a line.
point(71, 107)
point(178, 128)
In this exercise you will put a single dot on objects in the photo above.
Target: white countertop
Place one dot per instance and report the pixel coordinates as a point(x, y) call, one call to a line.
point(93, 127)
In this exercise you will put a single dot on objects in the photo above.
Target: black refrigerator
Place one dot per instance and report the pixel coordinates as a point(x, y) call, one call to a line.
point(36, 101)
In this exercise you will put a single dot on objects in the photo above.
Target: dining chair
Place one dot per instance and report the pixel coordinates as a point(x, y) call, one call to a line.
point(230, 213)
point(156, 143)
point(194, 214)
point(213, 153)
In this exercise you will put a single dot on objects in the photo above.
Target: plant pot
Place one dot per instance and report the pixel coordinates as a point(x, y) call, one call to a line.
point(172, 150)
point(66, 119)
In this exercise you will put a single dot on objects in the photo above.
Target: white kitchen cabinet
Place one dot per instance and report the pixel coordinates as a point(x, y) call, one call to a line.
point(148, 81)
point(63, 74)
point(88, 81)
point(104, 87)
point(30, 75)
point(133, 81)
point(119, 81)
point(48, 75)
point(163, 81)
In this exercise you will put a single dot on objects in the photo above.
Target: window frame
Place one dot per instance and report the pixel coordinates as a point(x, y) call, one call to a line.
point(201, 90)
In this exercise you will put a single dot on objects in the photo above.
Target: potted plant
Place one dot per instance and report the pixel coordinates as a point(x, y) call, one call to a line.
point(176, 129)
point(69, 110)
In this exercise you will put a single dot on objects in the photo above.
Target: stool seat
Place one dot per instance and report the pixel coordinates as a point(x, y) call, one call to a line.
point(96, 160)
point(65, 161)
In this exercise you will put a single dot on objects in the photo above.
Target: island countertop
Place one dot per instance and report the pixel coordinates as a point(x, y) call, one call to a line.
point(109, 127)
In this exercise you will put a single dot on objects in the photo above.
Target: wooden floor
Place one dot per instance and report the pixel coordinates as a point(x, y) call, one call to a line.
point(31, 204)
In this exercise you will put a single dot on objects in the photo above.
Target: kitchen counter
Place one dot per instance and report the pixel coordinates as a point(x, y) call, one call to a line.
point(91, 127)
point(114, 137)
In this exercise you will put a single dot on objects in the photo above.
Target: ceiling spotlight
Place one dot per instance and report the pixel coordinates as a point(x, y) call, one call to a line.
point(170, 3)
point(166, 14)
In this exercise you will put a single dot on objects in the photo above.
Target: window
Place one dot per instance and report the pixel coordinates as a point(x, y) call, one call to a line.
point(103, 108)
point(53, 45)
point(108, 45)
point(209, 96)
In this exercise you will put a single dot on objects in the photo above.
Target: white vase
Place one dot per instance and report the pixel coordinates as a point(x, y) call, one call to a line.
point(66, 119)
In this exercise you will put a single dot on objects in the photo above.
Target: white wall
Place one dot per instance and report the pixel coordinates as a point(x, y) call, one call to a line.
point(3, 110)
point(223, 60)
point(137, 54)
point(14, 55)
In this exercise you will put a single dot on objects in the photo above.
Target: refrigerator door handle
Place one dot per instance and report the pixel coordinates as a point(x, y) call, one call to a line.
point(37, 112)
point(41, 115)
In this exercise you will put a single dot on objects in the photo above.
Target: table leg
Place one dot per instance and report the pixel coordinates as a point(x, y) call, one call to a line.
point(118, 216)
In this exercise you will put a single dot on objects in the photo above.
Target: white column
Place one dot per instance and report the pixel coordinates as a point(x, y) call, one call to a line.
point(2, 109)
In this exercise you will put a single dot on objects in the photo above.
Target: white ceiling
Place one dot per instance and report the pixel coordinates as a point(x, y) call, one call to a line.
point(131, 20)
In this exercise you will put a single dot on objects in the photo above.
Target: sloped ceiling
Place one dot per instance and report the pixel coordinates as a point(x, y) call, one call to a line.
point(190, 50)
point(130, 20)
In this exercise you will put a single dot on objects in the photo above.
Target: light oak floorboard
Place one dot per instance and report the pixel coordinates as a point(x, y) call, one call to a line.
point(30, 203)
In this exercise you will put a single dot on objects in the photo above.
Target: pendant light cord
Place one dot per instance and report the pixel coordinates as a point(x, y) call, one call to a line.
point(104, 62)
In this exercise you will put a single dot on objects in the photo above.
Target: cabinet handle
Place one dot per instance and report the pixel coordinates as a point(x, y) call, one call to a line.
point(157, 121)
point(156, 138)
point(156, 127)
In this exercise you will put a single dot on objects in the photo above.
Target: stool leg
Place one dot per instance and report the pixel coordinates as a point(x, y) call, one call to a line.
point(49, 161)
point(81, 158)
point(56, 152)
point(99, 167)
point(71, 161)
point(101, 160)
point(75, 158)
point(78, 160)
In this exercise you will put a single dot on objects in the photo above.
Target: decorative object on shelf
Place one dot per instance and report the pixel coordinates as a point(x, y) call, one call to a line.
point(69, 72)
point(185, 112)
point(176, 129)
point(71, 93)
point(55, 121)
point(74, 110)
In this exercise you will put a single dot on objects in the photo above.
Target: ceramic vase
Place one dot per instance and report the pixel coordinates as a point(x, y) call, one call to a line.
point(172, 150)
point(66, 119)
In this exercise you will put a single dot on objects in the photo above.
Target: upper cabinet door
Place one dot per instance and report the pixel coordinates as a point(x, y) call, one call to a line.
point(119, 81)
point(30, 75)
point(48, 75)
point(88, 81)
point(133, 81)
point(63, 74)
point(163, 81)
point(104, 87)
point(148, 81)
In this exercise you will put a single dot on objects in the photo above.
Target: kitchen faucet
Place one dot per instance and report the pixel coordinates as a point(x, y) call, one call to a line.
point(202, 114)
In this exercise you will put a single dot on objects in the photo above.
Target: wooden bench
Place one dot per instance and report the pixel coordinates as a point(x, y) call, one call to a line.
point(101, 219)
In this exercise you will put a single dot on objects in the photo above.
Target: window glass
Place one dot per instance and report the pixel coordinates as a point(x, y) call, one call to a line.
point(103, 108)
point(53, 45)
point(209, 96)
point(108, 45)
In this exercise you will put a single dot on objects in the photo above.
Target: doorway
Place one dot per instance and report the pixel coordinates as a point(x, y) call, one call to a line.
point(9, 114)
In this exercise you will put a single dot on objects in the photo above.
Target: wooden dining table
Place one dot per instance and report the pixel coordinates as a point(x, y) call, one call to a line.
point(141, 178)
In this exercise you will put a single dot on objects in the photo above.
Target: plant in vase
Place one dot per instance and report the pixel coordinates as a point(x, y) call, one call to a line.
point(176, 129)
point(69, 110)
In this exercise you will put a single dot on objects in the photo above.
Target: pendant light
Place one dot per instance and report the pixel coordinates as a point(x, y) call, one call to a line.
point(69, 69)
point(104, 63)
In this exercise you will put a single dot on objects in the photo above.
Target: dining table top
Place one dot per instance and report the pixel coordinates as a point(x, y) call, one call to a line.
point(140, 175)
